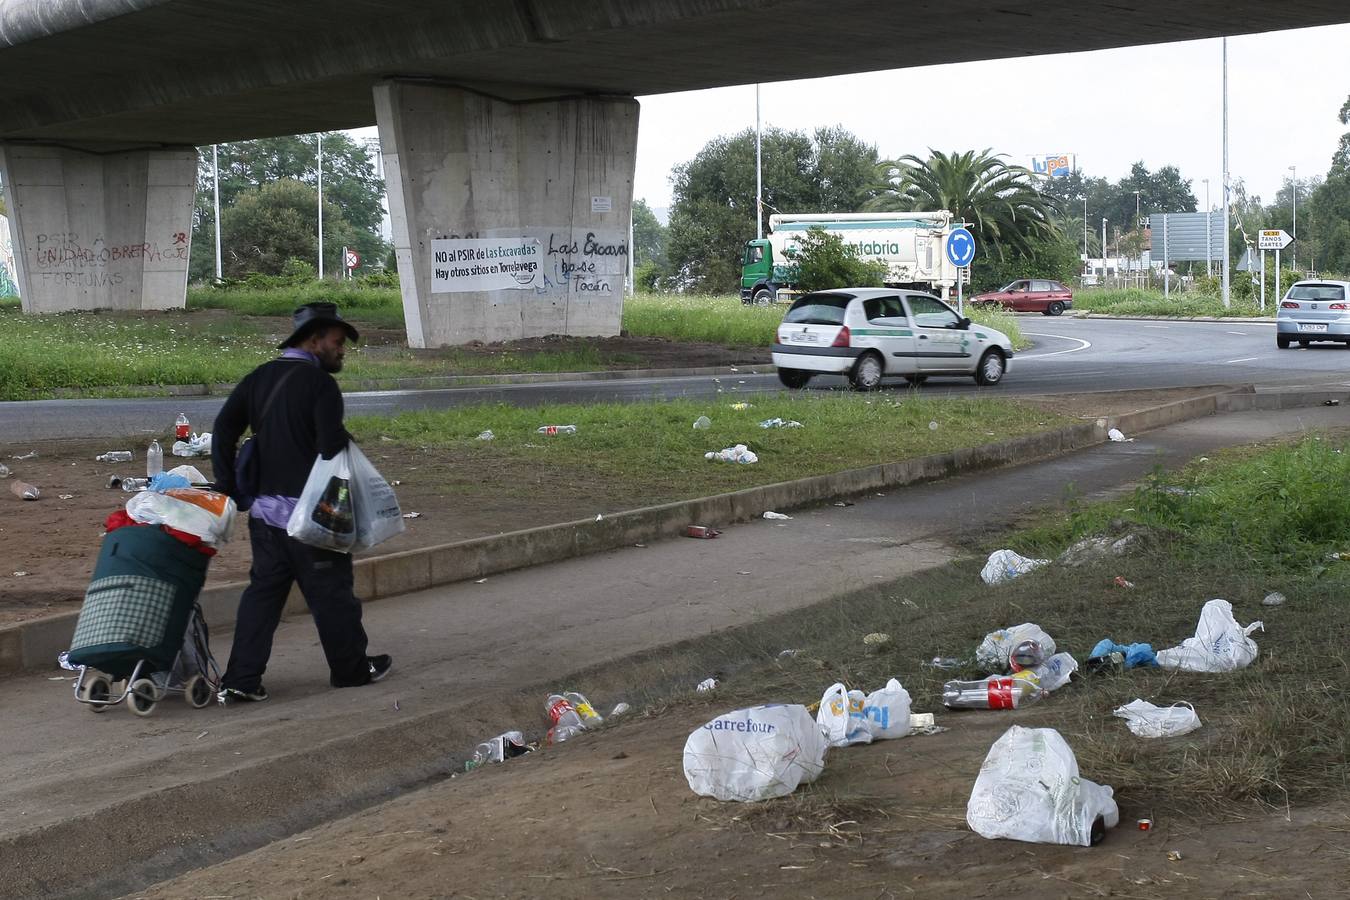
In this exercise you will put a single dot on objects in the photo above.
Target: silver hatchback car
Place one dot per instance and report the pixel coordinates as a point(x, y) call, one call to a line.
point(1314, 311)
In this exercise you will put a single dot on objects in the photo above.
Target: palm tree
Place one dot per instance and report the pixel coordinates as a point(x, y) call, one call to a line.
point(999, 201)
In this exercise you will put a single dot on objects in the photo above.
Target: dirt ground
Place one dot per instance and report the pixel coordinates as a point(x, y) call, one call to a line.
point(611, 815)
point(48, 546)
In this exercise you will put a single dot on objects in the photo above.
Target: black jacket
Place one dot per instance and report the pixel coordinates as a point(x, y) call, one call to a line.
point(303, 421)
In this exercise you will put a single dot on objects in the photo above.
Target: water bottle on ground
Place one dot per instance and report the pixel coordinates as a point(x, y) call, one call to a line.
point(992, 693)
point(589, 717)
point(182, 429)
point(135, 484)
point(566, 721)
point(556, 429)
point(113, 456)
point(25, 491)
point(154, 460)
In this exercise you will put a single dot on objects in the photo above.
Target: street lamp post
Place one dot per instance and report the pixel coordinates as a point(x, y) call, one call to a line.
point(1208, 240)
point(1138, 225)
point(1085, 232)
point(320, 182)
point(1103, 251)
point(1293, 178)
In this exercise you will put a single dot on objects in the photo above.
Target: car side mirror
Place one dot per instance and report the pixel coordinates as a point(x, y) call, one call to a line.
point(963, 324)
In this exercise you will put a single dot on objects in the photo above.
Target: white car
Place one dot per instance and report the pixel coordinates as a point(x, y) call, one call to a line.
point(1314, 311)
point(869, 334)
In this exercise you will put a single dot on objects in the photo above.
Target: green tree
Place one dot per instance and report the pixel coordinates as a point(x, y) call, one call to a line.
point(270, 225)
point(825, 261)
point(649, 246)
point(1006, 211)
point(1056, 258)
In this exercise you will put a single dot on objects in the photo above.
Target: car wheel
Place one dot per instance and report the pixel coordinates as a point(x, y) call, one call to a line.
point(867, 372)
point(1055, 308)
point(1282, 342)
point(916, 379)
point(991, 368)
point(794, 378)
point(763, 297)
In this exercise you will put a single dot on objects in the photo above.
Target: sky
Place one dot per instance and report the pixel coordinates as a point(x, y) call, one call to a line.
point(1161, 104)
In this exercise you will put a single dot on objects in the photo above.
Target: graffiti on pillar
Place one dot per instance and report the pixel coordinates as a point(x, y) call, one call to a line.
point(593, 264)
point(65, 259)
point(8, 286)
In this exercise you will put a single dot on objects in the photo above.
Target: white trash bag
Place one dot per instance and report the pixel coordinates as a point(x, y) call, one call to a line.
point(1055, 672)
point(755, 754)
point(997, 646)
point(1005, 565)
point(378, 516)
point(1029, 790)
point(207, 514)
point(1220, 643)
point(852, 717)
point(1147, 720)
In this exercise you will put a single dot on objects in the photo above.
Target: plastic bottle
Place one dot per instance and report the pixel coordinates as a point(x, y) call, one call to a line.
point(566, 721)
point(589, 717)
point(182, 429)
point(25, 491)
point(114, 456)
point(995, 692)
point(135, 484)
point(4, 471)
point(557, 429)
point(154, 459)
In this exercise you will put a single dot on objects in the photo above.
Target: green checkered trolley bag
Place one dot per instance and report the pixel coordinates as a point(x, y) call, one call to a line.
point(141, 624)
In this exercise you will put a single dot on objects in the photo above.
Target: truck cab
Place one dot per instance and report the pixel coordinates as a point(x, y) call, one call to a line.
point(757, 285)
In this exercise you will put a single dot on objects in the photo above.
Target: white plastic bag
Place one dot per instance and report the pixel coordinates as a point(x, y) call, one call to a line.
point(994, 650)
point(1220, 643)
point(1054, 673)
point(1029, 790)
point(1005, 565)
point(755, 754)
point(378, 516)
point(886, 711)
point(852, 717)
point(324, 516)
point(207, 514)
point(1147, 720)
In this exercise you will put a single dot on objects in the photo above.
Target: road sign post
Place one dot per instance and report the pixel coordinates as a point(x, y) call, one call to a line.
point(960, 252)
point(1271, 239)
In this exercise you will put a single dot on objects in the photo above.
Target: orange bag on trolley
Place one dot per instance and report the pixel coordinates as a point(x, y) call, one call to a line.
point(207, 514)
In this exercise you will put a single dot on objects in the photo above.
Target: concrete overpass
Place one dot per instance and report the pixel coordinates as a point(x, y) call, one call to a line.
point(508, 126)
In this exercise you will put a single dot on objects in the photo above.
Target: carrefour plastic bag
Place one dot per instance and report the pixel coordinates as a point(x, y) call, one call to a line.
point(207, 514)
point(1147, 720)
point(994, 650)
point(378, 516)
point(852, 717)
point(1220, 643)
point(324, 516)
point(1005, 565)
point(755, 754)
point(1029, 789)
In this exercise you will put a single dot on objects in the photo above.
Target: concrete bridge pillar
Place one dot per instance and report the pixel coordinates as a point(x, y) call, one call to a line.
point(510, 220)
point(99, 230)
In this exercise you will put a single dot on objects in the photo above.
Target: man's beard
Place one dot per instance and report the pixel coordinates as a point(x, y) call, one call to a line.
point(331, 364)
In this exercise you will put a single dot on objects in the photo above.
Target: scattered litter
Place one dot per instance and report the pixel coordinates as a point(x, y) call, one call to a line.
point(1220, 643)
point(706, 685)
point(701, 531)
point(486, 435)
point(910, 603)
point(114, 456)
point(65, 496)
point(1116, 435)
point(1094, 548)
point(743, 573)
point(1331, 403)
point(920, 721)
point(202, 735)
point(4, 471)
point(770, 514)
point(994, 692)
point(412, 515)
point(737, 454)
point(31, 454)
point(852, 717)
point(944, 662)
point(1121, 581)
point(1275, 598)
point(566, 720)
point(876, 640)
point(784, 654)
point(1147, 720)
point(641, 546)
point(481, 581)
point(599, 516)
point(25, 491)
point(619, 709)
point(779, 423)
point(702, 423)
point(1174, 855)
point(995, 651)
point(932, 426)
point(755, 754)
point(197, 445)
point(1145, 824)
point(740, 406)
point(556, 429)
point(396, 706)
point(395, 482)
point(20, 574)
point(59, 678)
point(499, 749)
point(843, 503)
point(1005, 565)
point(1107, 654)
point(1029, 789)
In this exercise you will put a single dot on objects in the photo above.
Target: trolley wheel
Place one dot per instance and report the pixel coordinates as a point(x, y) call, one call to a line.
point(96, 688)
point(198, 692)
point(143, 697)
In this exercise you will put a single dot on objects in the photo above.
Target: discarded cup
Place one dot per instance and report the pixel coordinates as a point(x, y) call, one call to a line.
point(25, 491)
point(114, 456)
point(702, 422)
point(701, 531)
point(1145, 824)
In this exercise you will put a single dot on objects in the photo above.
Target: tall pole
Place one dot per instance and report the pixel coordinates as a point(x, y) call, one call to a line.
point(215, 188)
point(1137, 225)
point(1294, 179)
point(759, 175)
point(321, 207)
point(1227, 296)
point(1209, 241)
point(1085, 232)
point(1103, 251)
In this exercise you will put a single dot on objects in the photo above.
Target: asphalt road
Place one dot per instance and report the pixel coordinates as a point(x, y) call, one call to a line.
point(1069, 355)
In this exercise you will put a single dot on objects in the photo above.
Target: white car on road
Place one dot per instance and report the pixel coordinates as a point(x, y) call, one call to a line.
point(1314, 311)
point(869, 334)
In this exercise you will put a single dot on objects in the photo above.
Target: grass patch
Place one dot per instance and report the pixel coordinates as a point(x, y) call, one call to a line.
point(1141, 302)
point(379, 306)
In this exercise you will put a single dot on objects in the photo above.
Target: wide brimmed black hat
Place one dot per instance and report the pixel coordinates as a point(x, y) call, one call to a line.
point(311, 316)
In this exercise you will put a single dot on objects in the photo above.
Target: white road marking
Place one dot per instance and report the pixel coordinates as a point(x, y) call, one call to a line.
point(1244, 359)
point(1157, 326)
point(1082, 345)
point(1235, 332)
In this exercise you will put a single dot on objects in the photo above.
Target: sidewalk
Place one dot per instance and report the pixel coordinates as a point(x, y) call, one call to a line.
point(101, 797)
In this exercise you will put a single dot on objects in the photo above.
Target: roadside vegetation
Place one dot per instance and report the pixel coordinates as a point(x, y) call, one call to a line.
point(371, 301)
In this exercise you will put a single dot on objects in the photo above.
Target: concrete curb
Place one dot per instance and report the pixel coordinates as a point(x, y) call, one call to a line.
point(35, 644)
point(1227, 319)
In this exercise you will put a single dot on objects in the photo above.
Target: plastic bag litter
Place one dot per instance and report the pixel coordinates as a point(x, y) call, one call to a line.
point(737, 454)
point(1147, 720)
point(1005, 565)
point(770, 514)
point(993, 651)
point(1220, 643)
point(1131, 655)
point(755, 754)
point(1055, 672)
point(207, 514)
point(1116, 435)
point(197, 445)
point(852, 717)
point(779, 423)
point(1029, 789)
point(702, 423)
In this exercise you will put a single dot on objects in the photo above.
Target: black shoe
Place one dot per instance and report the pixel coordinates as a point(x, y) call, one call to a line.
point(234, 695)
point(379, 666)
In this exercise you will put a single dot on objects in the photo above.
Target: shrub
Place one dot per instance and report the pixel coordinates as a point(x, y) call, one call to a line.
point(825, 261)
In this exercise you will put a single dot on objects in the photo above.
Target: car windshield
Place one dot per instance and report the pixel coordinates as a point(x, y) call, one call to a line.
point(1316, 292)
point(818, 309)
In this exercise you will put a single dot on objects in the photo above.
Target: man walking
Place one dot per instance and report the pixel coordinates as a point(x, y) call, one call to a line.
point(294, 407)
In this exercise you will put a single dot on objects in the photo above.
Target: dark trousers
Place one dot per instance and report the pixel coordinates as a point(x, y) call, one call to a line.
point(325, 579)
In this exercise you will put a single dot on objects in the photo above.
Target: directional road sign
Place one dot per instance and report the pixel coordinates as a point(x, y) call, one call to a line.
point(960, 247)
point(1273, 239)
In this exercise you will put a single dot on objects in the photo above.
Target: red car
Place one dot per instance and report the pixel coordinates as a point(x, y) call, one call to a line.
point(1040, 295)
